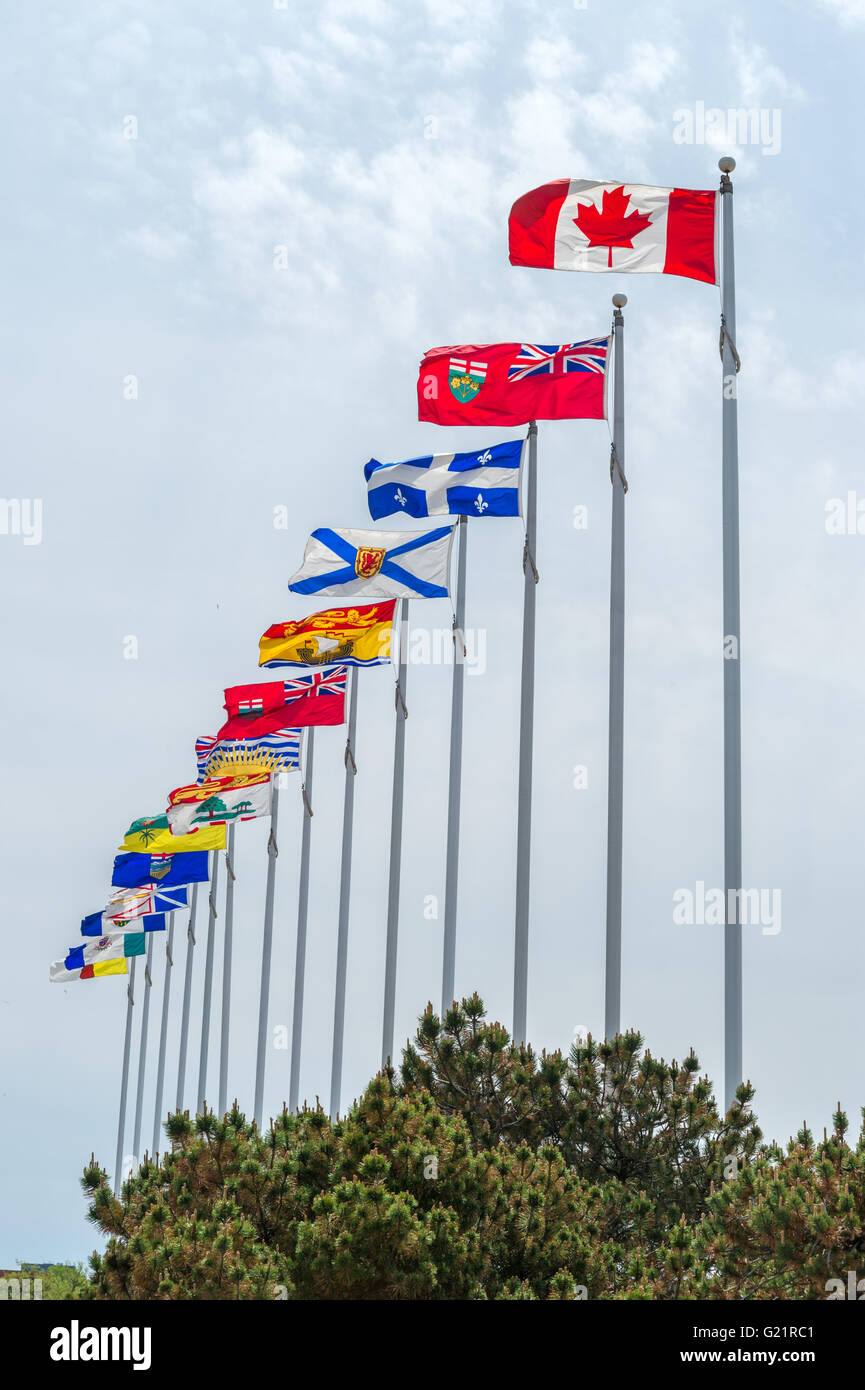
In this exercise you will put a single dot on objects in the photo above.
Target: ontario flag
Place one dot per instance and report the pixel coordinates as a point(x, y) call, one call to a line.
point(574, 224)
point(256, 710)
point(513, 383)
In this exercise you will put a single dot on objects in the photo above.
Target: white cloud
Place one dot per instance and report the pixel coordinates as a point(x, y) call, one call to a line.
point(847, 12)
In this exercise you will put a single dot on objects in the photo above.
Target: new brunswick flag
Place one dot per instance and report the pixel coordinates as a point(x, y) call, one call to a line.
point(353, 636)
point(152, 835)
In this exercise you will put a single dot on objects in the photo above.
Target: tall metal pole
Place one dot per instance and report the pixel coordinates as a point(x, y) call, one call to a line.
point(732, 676)
point(266, 946)
point(615, 757)
point(344, 899)
point(395, 842)
point(187, 995)
point(302, 906)
point(527, 710)
point(208, 984)
point(226, 971)
point(124, 1078)
point(163, 1033)
point(142, 1051)
point(455, 777)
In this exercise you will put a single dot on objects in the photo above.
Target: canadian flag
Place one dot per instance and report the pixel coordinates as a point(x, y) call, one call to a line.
point(573, 224)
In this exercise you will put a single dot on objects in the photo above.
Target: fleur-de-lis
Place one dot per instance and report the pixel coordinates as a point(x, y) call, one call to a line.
point(481, 504)
point(398, 496)
point(484, 458)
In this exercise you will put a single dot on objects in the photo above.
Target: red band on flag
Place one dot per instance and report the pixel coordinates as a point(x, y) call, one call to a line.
point(691, 235)
point(532, 225)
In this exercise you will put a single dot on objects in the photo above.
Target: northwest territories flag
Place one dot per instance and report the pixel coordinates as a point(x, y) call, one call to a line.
point(376, 564)
point(575, 224)
point(98, 925)
point(107, 956)
point(485, 482)
point(138, 870)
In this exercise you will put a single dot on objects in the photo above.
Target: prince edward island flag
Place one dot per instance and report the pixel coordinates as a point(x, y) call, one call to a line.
point(485, 482)
point(376, 564)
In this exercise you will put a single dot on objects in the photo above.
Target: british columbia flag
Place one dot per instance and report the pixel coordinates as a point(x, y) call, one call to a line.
point(533, 359)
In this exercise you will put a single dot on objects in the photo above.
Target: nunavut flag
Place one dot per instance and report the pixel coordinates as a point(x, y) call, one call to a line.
point(354, 636)
point(574, 224)
point(513, 383)
point(107, 956)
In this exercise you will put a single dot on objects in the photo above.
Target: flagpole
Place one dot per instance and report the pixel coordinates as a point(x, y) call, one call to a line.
point(124, 1078)
point(163, 1034)
point(226, 972)
point(455, 776)
point(266, 946)
point(302, 906)
point(395, 842)
point(615, 754)
point(731, 652)
point(208, 984)
point(344, 896)
point(527, 708)
point(187, 995)
point(142, 1052)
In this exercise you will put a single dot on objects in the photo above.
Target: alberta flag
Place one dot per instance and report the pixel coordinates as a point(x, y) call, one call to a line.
point(376, 564)
point(484, 482)
point(160, 870)
point(107, 956)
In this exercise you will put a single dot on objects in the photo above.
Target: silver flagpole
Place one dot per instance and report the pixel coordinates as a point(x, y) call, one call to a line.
point(163, 1034)
point(226, 972)
point(142, 1051)
point(187, 995)
point(124, 1079)
point(395, 842)
point(302, 906)
point(266, 946)
point(527, 709)
point(344, 895)
point(732, 677)
point(208, 984)
point(615, 758)
point(455, 777)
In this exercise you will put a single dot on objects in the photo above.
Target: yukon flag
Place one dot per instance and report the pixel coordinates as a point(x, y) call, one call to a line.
point(574, 224)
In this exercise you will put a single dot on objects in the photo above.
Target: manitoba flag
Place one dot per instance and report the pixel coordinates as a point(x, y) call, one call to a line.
point(573, 224)
point(512, 383)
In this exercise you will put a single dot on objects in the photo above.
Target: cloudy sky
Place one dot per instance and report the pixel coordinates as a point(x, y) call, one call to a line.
point(230, 232)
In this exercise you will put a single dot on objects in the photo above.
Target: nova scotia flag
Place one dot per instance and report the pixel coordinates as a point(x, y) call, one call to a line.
point(376, 564)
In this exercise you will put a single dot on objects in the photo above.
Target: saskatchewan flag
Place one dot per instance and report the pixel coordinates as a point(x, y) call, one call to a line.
point(107, 956)
point(152, 835)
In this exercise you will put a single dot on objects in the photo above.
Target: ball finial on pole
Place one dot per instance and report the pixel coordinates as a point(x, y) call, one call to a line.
point(726, 164)
point(620, 300)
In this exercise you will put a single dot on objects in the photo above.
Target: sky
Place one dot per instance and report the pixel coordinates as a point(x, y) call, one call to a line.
point(230, 232)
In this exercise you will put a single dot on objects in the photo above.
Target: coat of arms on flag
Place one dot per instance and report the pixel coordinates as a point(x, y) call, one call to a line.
point(466, 378)
point(368, 561)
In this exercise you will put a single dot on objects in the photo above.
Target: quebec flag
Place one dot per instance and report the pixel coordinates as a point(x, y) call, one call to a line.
point(485, 482)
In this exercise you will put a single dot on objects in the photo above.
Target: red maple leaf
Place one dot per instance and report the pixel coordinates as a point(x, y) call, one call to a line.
point(613, 225)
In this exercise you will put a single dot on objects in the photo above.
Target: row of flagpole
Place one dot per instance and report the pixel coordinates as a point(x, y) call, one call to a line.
point(615, 796)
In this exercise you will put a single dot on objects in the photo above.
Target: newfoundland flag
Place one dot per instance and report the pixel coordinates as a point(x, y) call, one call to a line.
point(161, 870)
point(574, 224)
point(513, 383)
